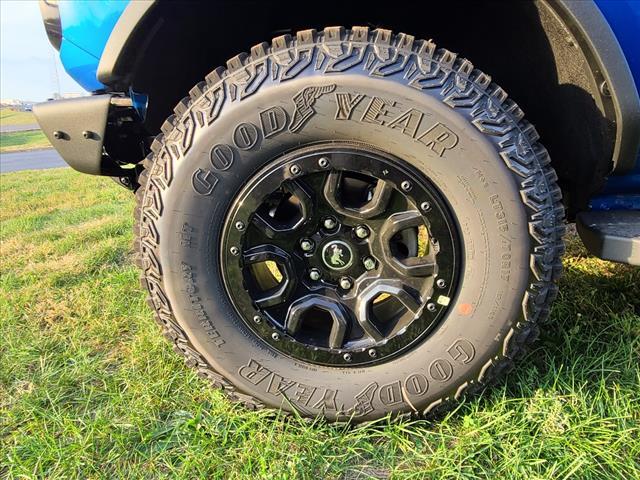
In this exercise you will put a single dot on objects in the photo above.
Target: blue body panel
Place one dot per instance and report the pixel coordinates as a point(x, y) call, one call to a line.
point(86, 27)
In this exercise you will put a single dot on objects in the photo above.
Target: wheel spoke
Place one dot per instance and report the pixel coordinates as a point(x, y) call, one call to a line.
point(267, 218)
point(380, 196)
point(278, 294)
point(412, 266)
point(366, 298)
point(306, 305)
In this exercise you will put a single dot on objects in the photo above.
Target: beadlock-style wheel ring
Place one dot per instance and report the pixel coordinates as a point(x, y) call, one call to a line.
point(339, 254)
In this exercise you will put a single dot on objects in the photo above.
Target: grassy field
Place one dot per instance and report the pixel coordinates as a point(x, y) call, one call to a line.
point(89, 389)
point(11, 117)
point(16, 141)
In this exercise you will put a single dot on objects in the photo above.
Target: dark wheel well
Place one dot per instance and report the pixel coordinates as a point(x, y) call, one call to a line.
point(522, 45)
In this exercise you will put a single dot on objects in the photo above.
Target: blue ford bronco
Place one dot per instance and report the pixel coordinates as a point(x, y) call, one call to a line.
point(355, 222)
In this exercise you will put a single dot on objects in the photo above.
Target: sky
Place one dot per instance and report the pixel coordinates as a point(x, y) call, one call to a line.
point(27, 58)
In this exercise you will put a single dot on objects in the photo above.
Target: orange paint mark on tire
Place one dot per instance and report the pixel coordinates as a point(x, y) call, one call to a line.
point(465, 309)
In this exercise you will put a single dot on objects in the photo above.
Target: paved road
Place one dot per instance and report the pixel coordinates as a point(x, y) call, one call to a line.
point(18, 128)
point(30, 160)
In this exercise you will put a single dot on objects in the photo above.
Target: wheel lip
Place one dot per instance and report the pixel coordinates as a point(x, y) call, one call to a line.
point(437, 200)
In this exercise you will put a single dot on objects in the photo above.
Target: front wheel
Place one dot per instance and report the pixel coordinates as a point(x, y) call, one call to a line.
point(349, 223)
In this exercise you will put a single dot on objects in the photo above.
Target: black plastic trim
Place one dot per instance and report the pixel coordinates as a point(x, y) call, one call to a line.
point(608, 64)
point(76, 128)
point(52, 24)
point(115, 62)
point(612, 235)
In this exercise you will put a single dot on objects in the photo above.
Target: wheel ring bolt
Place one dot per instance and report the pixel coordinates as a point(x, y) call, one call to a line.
point(373, 353)
point(275, 336)
point(294, 169)
point(240, 225)
point(234, 251)
point(323, 162)
point(431, 307)
point(362, 231)
point(347, 357)
point(441, 283)
point(306, 245)
point(369, 263)
point(425, 206)
point(257, 319)
point(330, 223)
point(345, 283)
point(406, 185)
point(314, 274)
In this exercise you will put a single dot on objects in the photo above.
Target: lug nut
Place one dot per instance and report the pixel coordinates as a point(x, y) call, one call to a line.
point(234, 250)
point(329, 223)
point(373, 353)
point(239, 225)
point(441, 283)
point(323, 162)
point(369, 263)
point(314, 274)
point(306, 245)
point(347, 357)
point(362, 231)
point(257, 319)
point(431, 307)
point(295, 169)
point(345, 283)
point(406, 185)
point(425, 206)
point(275, 336)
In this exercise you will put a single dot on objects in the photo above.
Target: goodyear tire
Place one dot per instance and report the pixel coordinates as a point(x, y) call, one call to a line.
point(386, 100)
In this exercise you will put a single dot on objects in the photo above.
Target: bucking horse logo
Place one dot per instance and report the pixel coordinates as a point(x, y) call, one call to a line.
point(336, 256)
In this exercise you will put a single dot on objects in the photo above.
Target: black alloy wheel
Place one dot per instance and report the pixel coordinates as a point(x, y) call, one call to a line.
point(340, 255)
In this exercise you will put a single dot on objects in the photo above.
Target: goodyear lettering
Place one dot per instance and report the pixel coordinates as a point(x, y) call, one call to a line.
point(346, 104)
point(437, 137)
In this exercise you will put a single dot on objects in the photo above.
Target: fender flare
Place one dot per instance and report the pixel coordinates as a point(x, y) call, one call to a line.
point(127, 42)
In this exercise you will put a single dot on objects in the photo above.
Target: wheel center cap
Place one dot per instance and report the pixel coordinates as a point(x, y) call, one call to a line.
point(337, 255)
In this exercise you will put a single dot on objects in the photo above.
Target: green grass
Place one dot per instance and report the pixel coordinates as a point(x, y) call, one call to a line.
point(29, 140)
point(11, 117)
point(89, 389)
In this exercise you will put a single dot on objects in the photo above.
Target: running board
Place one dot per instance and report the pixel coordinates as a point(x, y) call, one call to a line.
point(611, 235)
